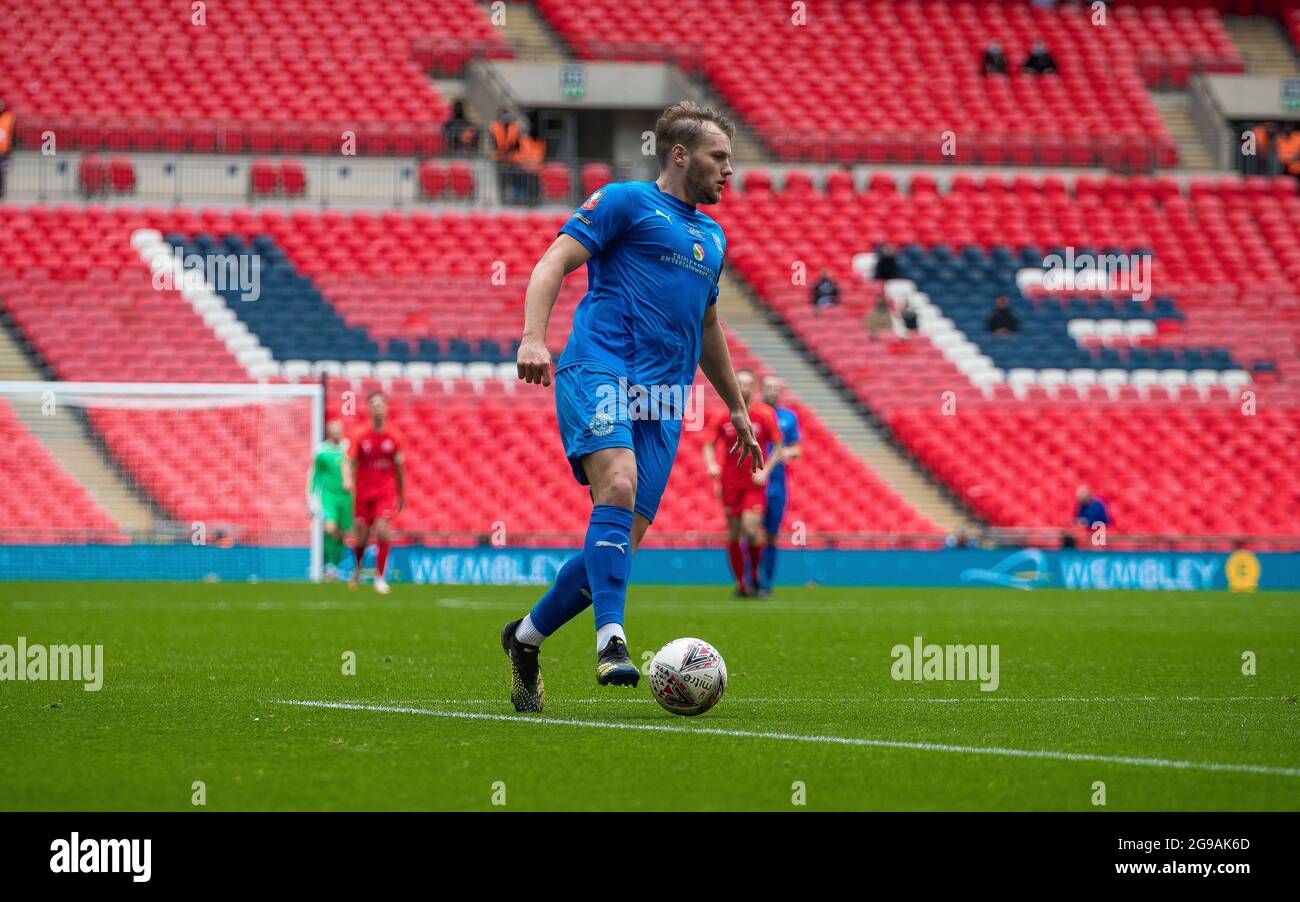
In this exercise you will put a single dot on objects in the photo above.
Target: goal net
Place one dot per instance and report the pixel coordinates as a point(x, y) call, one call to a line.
point(158, 481)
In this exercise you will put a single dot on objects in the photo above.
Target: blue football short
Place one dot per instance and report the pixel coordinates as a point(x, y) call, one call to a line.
point(592, 418)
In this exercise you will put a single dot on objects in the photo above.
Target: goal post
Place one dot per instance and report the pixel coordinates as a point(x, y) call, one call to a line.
point(139, 480)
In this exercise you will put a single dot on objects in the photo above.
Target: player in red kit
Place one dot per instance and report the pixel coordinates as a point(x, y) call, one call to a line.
point(743, 492)
point(375, 473)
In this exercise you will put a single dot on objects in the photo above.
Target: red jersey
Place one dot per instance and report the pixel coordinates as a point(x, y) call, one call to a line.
point(722, 435)
point(374, 461)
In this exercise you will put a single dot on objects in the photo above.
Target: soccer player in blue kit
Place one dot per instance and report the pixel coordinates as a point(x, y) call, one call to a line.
point(774, 512)
point(647, 321)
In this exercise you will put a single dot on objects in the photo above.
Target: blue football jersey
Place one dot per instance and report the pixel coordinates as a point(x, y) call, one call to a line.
point(652, 275)
point(788, 420)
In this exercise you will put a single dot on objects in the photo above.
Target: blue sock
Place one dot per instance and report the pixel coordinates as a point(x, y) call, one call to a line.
point(769, 562)
point(565, 599)
point(608, 553)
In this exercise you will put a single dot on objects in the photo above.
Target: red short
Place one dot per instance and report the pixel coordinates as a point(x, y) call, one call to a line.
point(380, 506)
point(743, 496)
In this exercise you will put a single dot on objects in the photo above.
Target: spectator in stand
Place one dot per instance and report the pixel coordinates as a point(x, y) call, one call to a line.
point(505, 150)
point(908, 315)
point(459, 136)
point(1090, 510)
point(1002, 320)
point(1263, 161)
point(1288, 151)
point(1039, 61)
point(995, 61)
point(880, 318)
point(959, 539)
point(825, 292)
point(531, 155)
point(886, 263)
point(6, 143)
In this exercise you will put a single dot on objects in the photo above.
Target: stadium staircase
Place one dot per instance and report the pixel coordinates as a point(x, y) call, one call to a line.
point(1173, 109)
point(765, 340)
point(63, 435)
point(528, 34)
point(745, 148)
point(1264, 47)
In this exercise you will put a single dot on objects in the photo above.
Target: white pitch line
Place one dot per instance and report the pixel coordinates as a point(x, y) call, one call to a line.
point(832, 740)
point(841, 700)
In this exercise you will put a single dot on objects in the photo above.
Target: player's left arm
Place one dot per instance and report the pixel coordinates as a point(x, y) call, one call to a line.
point(399, 472)
point(715, 360)
point(313, 496)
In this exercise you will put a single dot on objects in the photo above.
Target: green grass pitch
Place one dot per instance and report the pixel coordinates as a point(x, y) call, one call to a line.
point(1143, 692)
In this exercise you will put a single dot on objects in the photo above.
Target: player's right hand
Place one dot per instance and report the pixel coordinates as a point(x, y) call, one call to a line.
point(745, 441)
point(534, 362)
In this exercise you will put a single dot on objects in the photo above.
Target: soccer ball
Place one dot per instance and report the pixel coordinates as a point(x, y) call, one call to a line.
point(688, 677)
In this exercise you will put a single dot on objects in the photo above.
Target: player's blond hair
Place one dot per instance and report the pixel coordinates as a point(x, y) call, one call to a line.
point(683, 123)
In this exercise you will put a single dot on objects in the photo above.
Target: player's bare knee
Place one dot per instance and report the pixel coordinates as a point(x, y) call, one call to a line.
point(618, 489)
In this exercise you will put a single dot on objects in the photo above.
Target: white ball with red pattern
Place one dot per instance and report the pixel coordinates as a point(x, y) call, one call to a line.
point(688, 677)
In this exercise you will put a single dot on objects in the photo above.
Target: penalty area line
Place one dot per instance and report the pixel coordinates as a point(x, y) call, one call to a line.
point(1044, 754)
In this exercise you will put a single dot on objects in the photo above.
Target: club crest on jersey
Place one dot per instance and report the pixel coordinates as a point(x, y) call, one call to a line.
point(590, 203)
point(698, 250)
point(601, 424)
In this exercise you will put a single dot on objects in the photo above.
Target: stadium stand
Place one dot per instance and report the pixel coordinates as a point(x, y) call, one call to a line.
point(1225, 266)
point(240, 77)
point(914, 75)
point(1224, 242)
point(333, 287)
point(63, 511)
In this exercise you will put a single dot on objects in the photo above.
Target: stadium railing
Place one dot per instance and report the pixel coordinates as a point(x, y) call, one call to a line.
point(334, 181)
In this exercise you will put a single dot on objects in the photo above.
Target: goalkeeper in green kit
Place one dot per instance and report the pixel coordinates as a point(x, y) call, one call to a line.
point(329, 497)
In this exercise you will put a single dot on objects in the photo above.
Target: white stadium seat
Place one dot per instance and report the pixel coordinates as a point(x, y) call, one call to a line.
point(327, 368)
point(1233, 379)
point(1021, 376)
point(1082, 328)
point(389, 369)
point(899, 289)
point(1108, 330)
point(1144, 379)
point(481, 371)
point(1136, 328)
point(295, 369)
point(239, 340)
point(264, 370)
point(358, 369)
point(141, 237)
point(865, 266)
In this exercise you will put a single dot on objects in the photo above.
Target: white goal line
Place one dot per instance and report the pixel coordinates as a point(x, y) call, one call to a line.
point(1045, 754)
